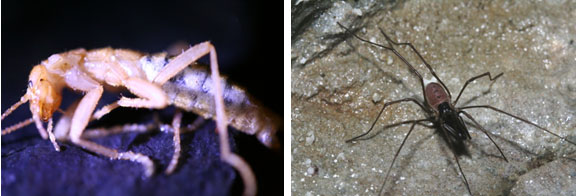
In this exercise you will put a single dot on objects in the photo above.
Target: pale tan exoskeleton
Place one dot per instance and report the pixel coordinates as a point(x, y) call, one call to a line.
point(149, 78)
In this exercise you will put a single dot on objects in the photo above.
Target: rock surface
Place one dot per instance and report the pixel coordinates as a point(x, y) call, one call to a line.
point(339, 85)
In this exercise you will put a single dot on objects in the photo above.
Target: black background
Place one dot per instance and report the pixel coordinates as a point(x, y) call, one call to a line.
point(248, 40)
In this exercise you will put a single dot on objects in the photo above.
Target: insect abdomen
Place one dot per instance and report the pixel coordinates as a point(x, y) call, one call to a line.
point(192, 90)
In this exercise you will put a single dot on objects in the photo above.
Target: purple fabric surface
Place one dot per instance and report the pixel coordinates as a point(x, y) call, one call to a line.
point(31, 166)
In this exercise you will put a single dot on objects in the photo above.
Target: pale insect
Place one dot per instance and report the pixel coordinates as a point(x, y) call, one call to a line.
point(147, 77)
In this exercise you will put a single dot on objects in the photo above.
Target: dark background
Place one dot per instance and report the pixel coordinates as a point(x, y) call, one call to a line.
point(248, 39)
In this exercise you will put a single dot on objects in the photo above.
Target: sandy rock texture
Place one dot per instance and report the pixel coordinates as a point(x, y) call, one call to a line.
point(339, 85)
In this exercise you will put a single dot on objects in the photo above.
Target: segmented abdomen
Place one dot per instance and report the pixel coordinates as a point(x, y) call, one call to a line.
point(193, 90)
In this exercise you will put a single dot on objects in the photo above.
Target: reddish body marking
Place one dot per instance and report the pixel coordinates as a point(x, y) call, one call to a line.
point(435, 95)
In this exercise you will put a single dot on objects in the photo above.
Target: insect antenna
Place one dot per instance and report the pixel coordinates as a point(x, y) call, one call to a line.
point(23, 100)
point(518, 118)
point(391, 48)
point(17, 126)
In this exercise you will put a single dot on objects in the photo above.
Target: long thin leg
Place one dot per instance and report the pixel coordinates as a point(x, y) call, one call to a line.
point(182, 61)
point(462, 172)
point(222, 123)
point(126, 128)
point(518, 118)
point(177, 148)
point(391, 48)
point(474, 78)
point(396, 156)
point(382, 110)
point(419, 122)
point(139, 128)
point(485, 132)
point(420, 56)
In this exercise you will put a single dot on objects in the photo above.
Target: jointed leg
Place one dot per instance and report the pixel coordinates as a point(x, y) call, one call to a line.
point(150, 95)
point(182, 61)
point(396, 156)
point(382, 110)
point(391, 48)
point(81, 118)
point(194, 126)
point(485, 132)
point(474, 78)
point(140, 128)
point(228, 156)
point(126, 128)
point(177, 148)
point(518, 118)
point(462, 172)
point(419, 56)
point(105, 110)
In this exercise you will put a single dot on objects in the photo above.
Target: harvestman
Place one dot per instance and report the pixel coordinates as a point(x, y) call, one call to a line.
point(441, 112)
point(89, 71)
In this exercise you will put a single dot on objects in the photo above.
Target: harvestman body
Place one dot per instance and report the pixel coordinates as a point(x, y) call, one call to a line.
point(441, 112)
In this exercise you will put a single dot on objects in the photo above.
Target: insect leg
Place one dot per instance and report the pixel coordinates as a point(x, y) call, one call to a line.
point(62, 128)
point(151, 95)
point(396, 156)
point(105, 110)
point(177, 148)
point(474, 78)
point(382, 110)
point(518, 118)
point(182, 61)
point(126, 128)
point(227, 155)
point(195, 125)
point(81, 118)
point(485, 132)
